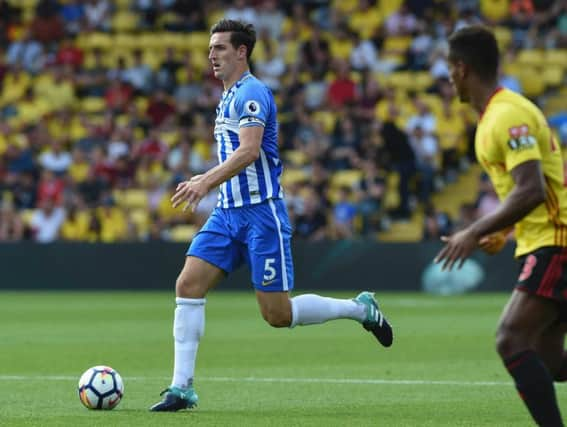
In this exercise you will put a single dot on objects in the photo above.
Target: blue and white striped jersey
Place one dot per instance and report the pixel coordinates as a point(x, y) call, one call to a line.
point(249, 103)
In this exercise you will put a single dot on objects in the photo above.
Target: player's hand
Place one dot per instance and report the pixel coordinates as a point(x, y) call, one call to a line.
point(457, 249)
point(493, 243)
point(191, 191)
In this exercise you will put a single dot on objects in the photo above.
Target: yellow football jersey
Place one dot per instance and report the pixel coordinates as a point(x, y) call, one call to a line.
point(511, 131)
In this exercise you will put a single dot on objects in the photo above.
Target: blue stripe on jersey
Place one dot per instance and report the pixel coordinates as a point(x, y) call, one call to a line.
point(244, 189)
point(261, 178)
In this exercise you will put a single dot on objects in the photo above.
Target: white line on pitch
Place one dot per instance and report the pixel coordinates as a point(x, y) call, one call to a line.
point(278, 380)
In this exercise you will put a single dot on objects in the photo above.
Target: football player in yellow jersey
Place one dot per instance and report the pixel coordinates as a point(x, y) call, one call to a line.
point(515, 147)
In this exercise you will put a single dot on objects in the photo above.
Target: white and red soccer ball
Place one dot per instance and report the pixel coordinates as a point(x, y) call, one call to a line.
point(100, 387)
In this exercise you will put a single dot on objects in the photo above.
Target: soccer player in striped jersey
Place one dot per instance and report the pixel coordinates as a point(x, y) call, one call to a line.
point(250, 223)
point(516, 148)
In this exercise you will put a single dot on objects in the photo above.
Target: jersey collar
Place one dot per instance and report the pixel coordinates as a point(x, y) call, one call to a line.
point(490, 98)
point(236, 84)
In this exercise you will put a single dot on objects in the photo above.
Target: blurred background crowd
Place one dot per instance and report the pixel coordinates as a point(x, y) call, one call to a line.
point(106, 105)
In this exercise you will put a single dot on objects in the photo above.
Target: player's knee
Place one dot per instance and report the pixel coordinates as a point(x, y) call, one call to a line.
point(277, 318)
point(509, 342)
point(185, 287)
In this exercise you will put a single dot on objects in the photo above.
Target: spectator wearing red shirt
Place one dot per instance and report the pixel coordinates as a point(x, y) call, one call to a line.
point(342, 89)
point(50, 188)
point(152, 147)
point(159, 108)
point(117, 96)
point(69, 54)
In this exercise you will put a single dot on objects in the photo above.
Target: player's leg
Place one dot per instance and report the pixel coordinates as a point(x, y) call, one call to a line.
point(212, 254)
point(195, 280)
point(279, 310)
point(525, 318)
point(551, 348)
point(269, 253)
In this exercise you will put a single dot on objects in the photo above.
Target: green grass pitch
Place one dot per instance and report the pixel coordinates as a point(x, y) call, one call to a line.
point(441, 371)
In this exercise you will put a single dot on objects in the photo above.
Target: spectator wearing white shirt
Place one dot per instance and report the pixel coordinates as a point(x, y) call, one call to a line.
point(139, 75)
point(46, 222)
point(56, 159)
point(97, 14)
point(426, 152)
point(402, 22)
point(270, 19)
point(27, 52)
point(272, 67)
point(423, 118)
point(242, 11)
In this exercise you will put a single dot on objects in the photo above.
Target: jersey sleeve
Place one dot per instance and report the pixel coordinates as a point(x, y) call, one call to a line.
point(252, 105)
point(516, 135)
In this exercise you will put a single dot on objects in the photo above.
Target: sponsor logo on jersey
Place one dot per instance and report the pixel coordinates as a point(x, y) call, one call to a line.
point(520, 138)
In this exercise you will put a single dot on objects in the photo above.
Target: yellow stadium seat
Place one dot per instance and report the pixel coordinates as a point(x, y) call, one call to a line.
point(125, 41)
point(531, 57)
point(532, 83)
point(98, 41)
point(555, 104)
point(293, 176)
point(170, 138)
point(503, 36)
point(403, 80)
point(141, 218)
point(389, 7)
point(326, 118)
point(124, 21)
point(296, 157)
point(153, 58)
point(556, 57)
point(391, 195)
point(396, 45)
point(122, 4)
point(553, 75)
point(131, 198)
point(197, 41)
point(26, 215)
point(141, 103)
point(345, 6)
point(494, 10)
point(512, 68)
point(422, 80)
point(183, 233)
point(93, 104)
point(346, 178)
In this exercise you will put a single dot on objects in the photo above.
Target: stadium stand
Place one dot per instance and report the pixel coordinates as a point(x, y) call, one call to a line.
point(106, 105)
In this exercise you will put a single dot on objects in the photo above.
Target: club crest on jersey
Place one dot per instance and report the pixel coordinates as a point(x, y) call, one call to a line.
point(252, 107)
point(520, 138)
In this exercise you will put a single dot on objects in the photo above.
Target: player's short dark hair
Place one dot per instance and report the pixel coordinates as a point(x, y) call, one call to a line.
point(240, 33)
point(476, 47)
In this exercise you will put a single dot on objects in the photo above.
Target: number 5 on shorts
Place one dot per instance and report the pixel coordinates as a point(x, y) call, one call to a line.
point(269, 271)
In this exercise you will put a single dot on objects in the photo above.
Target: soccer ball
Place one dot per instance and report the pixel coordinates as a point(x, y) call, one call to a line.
point(100, 387)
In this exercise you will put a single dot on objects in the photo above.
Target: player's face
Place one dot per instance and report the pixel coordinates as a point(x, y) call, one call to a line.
point(223, 56)
point(457, 77)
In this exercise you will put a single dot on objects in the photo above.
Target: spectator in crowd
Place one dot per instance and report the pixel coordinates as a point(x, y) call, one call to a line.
point(370, 195)
point(47, 221)
point(27, 52)
point(311, 224)
point(11, 224)
point(436, 224)
point(343, 215)
point(139, 75)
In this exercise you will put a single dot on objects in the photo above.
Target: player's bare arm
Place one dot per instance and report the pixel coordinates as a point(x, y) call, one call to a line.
point(196, 188)
point(528, 193)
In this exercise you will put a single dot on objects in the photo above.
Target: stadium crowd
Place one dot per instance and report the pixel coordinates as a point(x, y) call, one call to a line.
point(106, 105)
